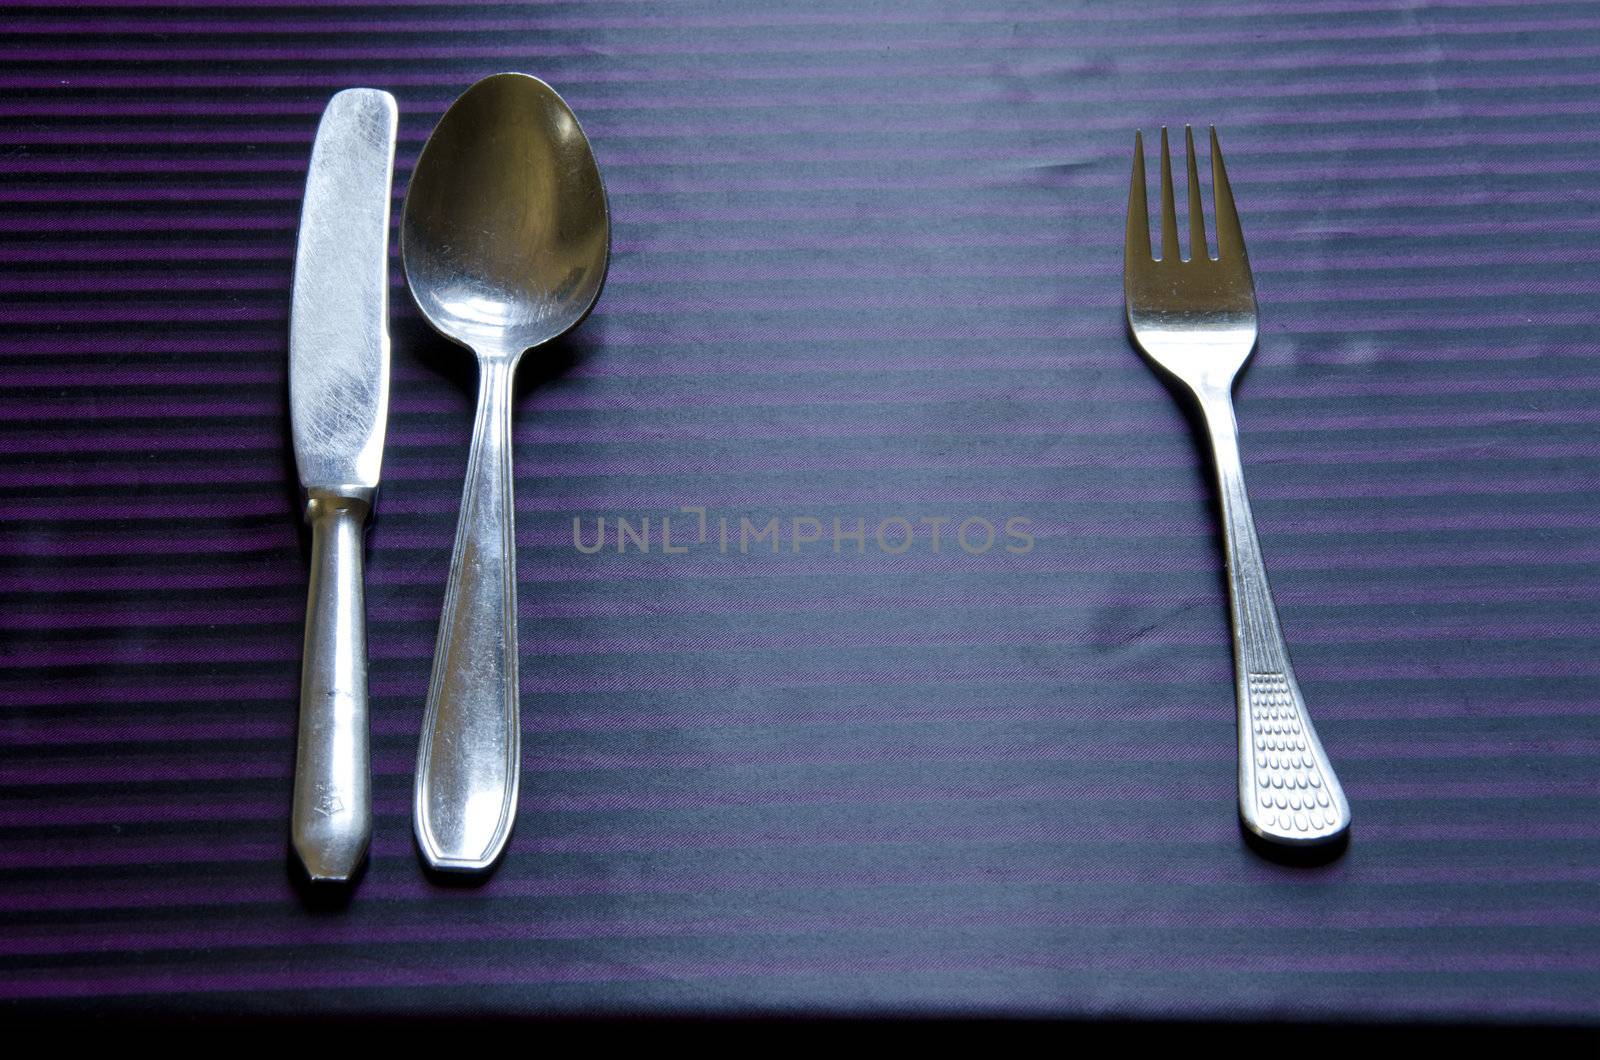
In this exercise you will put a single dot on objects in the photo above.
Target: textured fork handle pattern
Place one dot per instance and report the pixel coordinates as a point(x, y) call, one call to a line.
point(1288, 791)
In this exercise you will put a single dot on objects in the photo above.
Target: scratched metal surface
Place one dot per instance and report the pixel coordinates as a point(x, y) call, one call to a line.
point(867, 266)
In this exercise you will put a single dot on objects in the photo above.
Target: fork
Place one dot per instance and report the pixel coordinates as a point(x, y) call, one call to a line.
point(1196, 319)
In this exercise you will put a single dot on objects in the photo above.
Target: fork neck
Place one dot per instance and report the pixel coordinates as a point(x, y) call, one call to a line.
point(1257, 640)
point(1216, 408)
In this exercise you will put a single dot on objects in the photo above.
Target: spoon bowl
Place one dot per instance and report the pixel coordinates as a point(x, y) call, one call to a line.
point(506, 233)
point(505, 241)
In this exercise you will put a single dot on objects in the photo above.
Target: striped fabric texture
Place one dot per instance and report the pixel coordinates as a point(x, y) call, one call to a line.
point(865, 286)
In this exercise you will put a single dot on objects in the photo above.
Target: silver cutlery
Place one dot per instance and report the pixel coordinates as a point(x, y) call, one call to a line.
point(505, 239)
point(338, 406)
point(1196, 319)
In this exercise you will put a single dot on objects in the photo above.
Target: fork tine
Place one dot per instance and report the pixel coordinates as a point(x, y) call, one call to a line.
point(1137, 245)
point(1230, 238)
point(1197, 215)
point(1169, 209)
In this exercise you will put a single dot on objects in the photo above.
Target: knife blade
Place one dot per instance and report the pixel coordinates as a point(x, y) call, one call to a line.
point(338, 409)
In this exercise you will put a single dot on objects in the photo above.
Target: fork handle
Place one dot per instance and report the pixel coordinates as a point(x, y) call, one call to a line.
point(1288, 791)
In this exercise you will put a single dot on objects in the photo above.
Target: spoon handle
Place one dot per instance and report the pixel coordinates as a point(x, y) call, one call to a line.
point(466, 793)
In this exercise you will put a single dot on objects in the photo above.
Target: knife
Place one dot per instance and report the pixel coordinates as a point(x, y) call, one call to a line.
point(338, 407)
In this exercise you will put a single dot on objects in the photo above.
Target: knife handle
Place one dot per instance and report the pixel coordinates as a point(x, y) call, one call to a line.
point(332, 817)
point(468, 764)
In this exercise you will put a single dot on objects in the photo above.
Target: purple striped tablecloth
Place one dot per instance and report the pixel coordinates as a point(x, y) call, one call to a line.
point(866, 268)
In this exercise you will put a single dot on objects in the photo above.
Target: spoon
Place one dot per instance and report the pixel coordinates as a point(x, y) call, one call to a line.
point(505, 240)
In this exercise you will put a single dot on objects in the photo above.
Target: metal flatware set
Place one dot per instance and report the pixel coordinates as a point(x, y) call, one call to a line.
point(505, 241)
